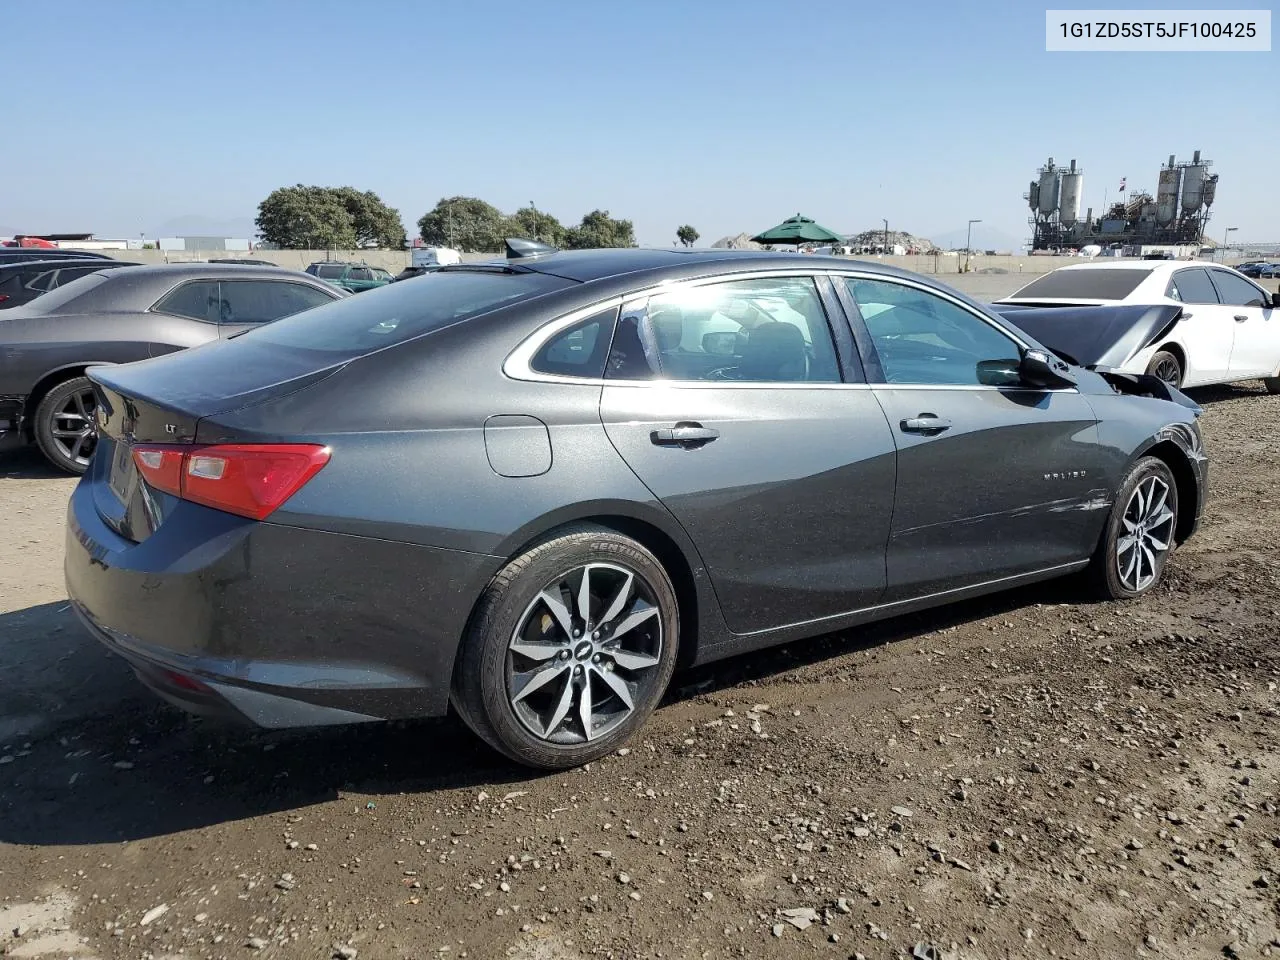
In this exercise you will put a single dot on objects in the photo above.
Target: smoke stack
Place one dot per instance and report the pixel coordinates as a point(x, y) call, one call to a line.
point(1196, 158)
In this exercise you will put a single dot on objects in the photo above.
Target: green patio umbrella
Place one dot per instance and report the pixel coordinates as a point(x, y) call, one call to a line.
point(798, 230)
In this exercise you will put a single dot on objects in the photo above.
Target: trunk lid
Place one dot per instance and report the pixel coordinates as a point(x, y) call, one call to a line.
point(164, 400)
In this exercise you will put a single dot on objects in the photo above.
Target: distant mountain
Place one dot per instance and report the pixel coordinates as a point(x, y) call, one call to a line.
point(195, 225)
point(984, 238)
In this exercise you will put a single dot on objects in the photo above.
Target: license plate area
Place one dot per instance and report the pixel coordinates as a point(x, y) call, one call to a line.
point(123, 471)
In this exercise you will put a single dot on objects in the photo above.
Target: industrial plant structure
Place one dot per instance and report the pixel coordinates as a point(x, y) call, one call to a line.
point(1174, 219)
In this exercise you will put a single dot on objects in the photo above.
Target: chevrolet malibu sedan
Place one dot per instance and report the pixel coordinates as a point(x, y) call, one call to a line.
point(530, 489)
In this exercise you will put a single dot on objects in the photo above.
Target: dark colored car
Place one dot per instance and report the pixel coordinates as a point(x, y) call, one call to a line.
point(22, 282)
point(20, 254)
point(531, 488)
point(408, 273)
point(118, 316)
point(1259, 269)
point(352, 277)
point(247, 261)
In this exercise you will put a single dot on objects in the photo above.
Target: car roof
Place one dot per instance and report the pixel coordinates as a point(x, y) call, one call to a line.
point(1153, 265)
point(586, 266)
point(63, 263)
point(242, 271)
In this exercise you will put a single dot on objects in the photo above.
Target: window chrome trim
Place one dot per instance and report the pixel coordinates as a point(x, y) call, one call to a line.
point(518, 364)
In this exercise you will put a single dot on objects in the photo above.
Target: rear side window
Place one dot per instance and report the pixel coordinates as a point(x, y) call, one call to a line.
point(329, 271)
point(1236, 290)
point(1192, 286)
point(400, 311)
point(580, 350)
point(361, 273)
point(1070, 284)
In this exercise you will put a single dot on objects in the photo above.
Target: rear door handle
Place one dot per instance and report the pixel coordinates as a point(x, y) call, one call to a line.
point(926, 423)
point(1241, 318)
point(688, 435)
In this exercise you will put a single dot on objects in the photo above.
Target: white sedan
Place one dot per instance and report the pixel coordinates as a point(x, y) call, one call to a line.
point(1229, 328)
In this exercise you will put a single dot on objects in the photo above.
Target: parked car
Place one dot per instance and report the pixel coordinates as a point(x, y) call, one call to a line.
point(1227, 328)
point(1260, 269)
point(118, 316)
point(352, 277)
point(21, 254)
point(529, 489)
point(248, 261)
point(22, 282)
point(408, 273)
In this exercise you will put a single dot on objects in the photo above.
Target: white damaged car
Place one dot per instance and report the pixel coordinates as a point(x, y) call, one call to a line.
point(1227, 327)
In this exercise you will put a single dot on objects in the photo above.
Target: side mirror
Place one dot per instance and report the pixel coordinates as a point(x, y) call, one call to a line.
point(1000, 373)
point(1275, 299)
point(1040, 369)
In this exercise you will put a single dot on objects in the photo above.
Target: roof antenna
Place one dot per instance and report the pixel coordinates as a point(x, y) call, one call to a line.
point(521, 249)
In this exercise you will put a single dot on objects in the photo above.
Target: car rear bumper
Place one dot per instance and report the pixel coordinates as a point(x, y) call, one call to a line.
point(280, 626)
point(11, 435)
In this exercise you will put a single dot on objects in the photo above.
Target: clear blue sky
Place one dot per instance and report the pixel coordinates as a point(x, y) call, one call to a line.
point(727, 114)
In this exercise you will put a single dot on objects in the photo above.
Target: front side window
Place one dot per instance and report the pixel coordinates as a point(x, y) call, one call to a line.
point(580, 350)
point(922, 338)
point(749, 331)
point(360, 273)
point(1192, 286)
point(1235, 290)
point(262, 301)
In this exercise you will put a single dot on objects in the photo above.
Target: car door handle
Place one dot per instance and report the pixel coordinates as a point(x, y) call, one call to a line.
point(688, 435)
point(926, 423)
point(1240, 318)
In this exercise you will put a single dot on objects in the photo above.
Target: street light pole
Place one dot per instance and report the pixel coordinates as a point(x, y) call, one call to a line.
point(535, 220)
point(968, 244)
point(886, 238)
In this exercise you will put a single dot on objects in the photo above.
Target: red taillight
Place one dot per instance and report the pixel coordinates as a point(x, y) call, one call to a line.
point(250, 480)
point(3, 297)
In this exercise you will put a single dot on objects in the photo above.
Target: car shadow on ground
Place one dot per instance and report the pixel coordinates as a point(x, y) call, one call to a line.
point(89, 756)
point(28, 463)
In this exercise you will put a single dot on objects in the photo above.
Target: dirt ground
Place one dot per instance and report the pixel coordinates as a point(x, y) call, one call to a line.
point(1023, 775)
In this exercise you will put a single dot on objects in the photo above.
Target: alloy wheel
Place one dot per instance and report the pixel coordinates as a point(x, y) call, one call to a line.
point(1168, 371)
point(584, 653)
point(1146, 536)
point(74, 426)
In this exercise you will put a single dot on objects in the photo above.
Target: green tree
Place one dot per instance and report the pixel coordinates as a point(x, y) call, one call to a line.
point(533, 224)
point(687, 235)
point(305, 218)
point(598, 229)
point(373, 220)
point(465, 223)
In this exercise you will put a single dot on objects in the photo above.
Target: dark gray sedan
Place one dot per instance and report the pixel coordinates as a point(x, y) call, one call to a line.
point(117, 316)
point(531, 488)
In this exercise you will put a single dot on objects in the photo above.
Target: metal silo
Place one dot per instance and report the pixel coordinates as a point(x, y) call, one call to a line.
point(1069, 199)
point(1033, 195)
point(1210, 189)
point(1192, 187)
point(1048, 188)
point(1167, 193)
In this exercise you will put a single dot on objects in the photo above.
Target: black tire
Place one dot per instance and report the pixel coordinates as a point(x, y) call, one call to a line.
point(56, 417)
point(1167, 367)
point(485, 674)
point(1272, 384)
point(1105, 573)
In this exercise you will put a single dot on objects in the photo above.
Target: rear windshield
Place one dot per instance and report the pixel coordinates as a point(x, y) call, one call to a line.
point(55, 299)
point(401, 311)
point(1084, 285)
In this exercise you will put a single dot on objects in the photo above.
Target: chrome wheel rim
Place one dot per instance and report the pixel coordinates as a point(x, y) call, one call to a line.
point(1167, 370)
point(74, 427)
point(1147, 532)
point(583, 654)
